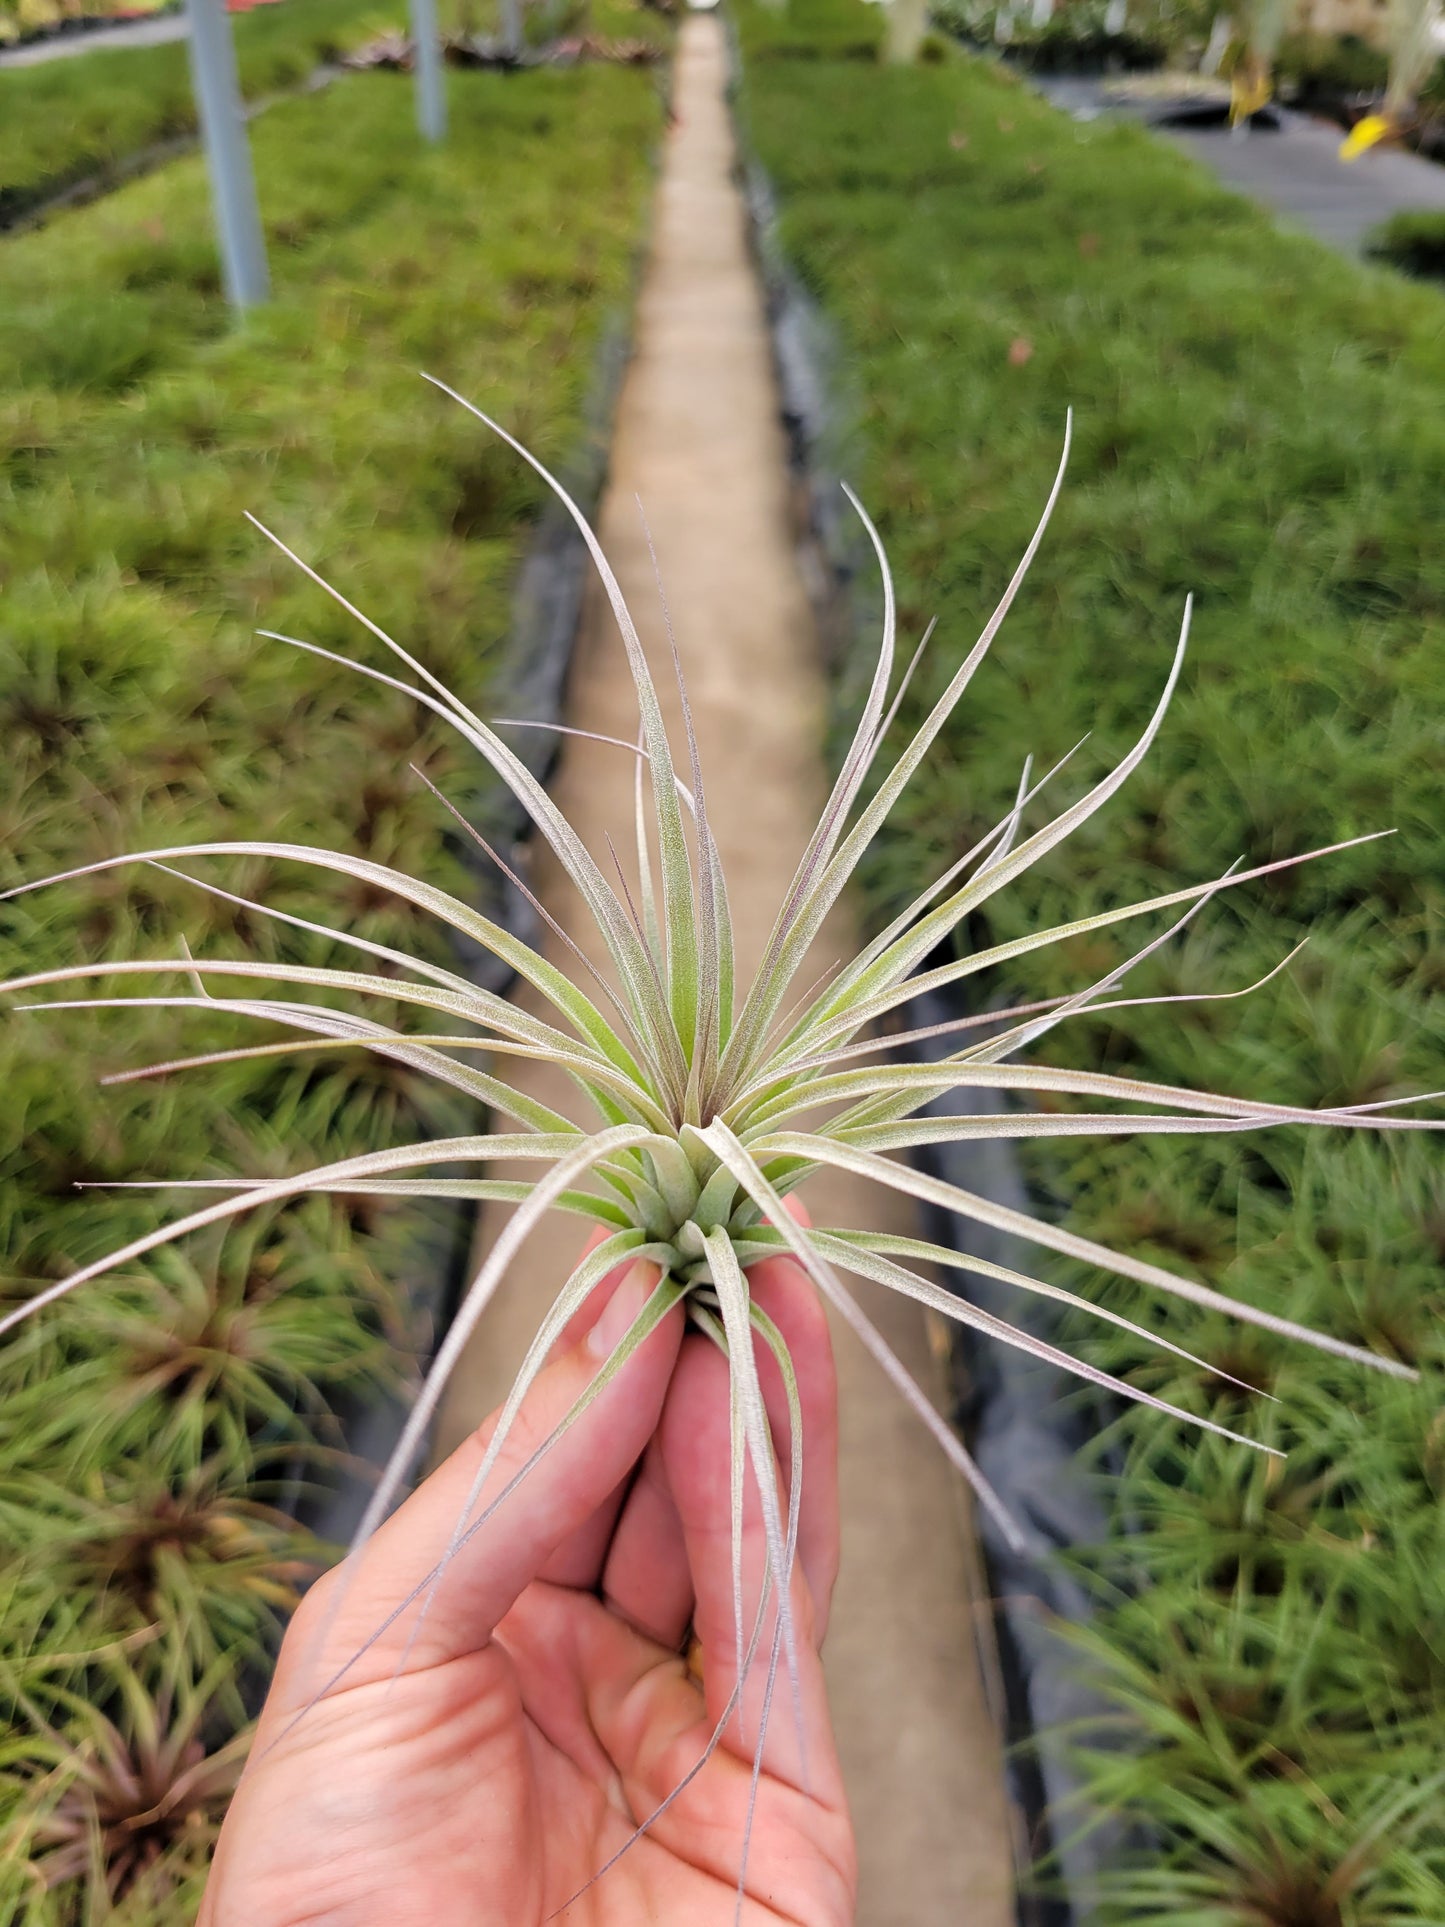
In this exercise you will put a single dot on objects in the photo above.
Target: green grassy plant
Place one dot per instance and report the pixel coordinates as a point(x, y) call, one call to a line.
point(1323, 70)
point(135, 429)
point(69, 120)
point(1255, 421)
point(63, 120)
point(1412, 241)
point(1078, 36)
point(121, 1793)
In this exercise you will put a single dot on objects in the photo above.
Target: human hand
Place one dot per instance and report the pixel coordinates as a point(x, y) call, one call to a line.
point(480, 1771)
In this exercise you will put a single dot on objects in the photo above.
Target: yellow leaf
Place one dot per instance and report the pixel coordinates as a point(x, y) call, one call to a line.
point(1364, 134)
point(1247, 95)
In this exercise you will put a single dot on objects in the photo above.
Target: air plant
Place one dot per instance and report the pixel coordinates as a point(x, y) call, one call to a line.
point(198, 1554)
point(233, 1348)
point(1300, 1834)
point(129, 1800)
point(708, 1100)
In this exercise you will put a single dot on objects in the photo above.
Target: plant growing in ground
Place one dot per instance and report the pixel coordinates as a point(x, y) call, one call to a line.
point(127, 1794)
point(1414, 241)
point(199, 1555)
point(69, 118)
point(710, 1101)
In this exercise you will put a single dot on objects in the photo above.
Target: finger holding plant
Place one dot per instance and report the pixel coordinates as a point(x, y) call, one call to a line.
point(542, 1726)
point(701, 1103)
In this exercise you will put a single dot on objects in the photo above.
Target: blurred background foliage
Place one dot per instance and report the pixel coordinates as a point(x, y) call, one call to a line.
point(70, 118)
point(1256, 421)
point(158, 1432)
point(32, 19)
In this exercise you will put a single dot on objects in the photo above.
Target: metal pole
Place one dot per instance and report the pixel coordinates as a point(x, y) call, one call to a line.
point(512, 28)
point(228, 153)
point(431, 100)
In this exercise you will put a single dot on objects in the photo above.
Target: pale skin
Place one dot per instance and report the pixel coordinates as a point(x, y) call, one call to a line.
point(480, 1775)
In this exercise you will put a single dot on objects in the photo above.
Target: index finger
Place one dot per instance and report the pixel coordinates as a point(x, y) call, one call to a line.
point(368, 1608)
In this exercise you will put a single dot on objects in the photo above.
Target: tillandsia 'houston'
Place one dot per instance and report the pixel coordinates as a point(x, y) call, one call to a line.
point(708, 1100)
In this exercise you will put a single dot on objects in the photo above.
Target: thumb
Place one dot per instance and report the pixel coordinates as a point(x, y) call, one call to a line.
point(349, 1609)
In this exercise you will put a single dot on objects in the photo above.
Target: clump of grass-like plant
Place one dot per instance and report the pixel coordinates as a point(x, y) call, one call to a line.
point(703, 1102)
point(122, 1787)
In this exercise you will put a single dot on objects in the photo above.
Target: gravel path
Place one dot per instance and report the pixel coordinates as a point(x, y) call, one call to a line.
point(698, 438)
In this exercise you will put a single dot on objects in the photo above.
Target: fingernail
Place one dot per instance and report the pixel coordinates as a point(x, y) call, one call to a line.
point(621, 1309)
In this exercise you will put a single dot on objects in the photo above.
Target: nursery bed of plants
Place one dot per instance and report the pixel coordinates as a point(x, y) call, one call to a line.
point(30, 20)
point(66, 120)
point(154, 1430)
point(1257, 423)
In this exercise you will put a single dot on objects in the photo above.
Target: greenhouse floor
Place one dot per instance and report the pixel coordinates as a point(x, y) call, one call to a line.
point(1294, 169)
point(155, 32)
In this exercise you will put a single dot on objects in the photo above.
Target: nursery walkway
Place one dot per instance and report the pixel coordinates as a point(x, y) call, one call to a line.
point(1294, 169)
point(1297, 172)
point(126, 33)
point(698, 438)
